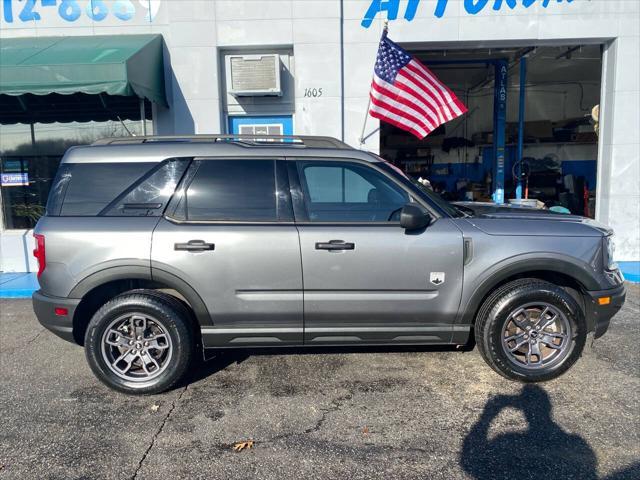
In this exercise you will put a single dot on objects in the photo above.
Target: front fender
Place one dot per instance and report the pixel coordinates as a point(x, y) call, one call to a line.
point(582, 272)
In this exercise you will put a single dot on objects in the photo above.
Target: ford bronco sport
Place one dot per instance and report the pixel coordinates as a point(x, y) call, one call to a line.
point(153, 249)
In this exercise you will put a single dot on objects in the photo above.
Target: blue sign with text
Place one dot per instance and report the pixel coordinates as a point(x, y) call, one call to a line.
point(14, 179)
point(472, 7)
point(21, 11)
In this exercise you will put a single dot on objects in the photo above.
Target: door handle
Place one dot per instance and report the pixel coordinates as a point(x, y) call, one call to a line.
point(194, 246)
point(333, 245)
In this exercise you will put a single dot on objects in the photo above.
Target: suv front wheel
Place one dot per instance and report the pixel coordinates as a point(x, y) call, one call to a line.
point(140, 342)
point(530, 330)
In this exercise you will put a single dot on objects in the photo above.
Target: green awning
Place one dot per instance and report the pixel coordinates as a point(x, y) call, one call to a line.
point(125, 65)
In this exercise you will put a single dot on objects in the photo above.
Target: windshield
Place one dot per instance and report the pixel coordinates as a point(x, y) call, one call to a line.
point(417, 187)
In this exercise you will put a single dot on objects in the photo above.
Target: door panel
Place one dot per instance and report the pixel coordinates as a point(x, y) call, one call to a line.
point(229, 234)
point(380, 292)
point(251, 281)
point(366, 279)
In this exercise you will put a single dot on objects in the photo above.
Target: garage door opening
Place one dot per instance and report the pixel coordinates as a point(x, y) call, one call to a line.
point(546, 158)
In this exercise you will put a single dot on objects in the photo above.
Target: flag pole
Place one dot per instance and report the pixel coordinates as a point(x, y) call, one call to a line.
point(364, 124)
point(366, 113)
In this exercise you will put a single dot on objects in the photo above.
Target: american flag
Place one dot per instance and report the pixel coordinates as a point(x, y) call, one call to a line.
point(407, 94)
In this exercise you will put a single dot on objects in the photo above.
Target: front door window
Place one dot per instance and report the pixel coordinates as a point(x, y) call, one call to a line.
point(346, 192)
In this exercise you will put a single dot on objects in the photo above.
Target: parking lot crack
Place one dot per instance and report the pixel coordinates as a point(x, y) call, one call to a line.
point(35, 337)
point(9, 351)
point(158, 432)
point(336, 404)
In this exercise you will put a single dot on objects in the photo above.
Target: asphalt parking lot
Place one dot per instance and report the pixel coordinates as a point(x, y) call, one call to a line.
point(423, 413)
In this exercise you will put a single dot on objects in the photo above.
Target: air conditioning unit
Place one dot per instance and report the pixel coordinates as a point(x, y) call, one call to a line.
point(253, 75)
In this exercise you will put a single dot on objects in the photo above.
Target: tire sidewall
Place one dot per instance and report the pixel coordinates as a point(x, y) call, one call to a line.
point(161, 312)
point(506, 305)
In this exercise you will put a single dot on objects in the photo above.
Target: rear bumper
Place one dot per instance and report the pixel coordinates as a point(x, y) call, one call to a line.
point(599, 316)
point(44, 308)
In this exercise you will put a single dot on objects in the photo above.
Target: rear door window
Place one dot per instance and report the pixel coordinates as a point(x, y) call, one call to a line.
point(231, 190)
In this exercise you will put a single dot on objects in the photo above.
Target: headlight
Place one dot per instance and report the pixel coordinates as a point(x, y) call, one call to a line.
point(611, 248)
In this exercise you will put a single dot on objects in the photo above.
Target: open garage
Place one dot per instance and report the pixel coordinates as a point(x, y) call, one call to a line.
point(529, 134)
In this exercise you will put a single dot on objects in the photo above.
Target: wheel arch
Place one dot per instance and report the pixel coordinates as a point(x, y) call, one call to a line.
point(568, 273)
point(98, 288)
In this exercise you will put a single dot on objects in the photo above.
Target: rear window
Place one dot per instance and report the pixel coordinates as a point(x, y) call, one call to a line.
point(114, 189)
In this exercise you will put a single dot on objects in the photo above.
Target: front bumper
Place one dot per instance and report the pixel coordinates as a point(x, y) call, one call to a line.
point(62, 325)
point(599, 316)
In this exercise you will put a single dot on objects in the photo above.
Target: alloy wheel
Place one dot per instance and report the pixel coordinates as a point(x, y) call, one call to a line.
point(136, 347)
point(536, 335)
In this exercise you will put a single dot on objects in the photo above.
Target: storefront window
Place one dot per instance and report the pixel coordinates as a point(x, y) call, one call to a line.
point(25, 186)
point(29, 162)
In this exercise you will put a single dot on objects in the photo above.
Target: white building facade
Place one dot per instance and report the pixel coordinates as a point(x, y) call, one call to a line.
point(327, 49)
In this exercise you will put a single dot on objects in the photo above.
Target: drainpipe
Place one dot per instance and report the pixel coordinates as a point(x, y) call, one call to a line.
point(342, 70)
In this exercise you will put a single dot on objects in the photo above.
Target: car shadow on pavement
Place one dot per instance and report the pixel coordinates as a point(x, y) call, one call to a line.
point(216, 361)
point(541, 450)
point(210, 365)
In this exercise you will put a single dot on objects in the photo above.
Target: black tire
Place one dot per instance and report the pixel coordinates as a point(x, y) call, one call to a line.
point(496, 312)
point(168, 314)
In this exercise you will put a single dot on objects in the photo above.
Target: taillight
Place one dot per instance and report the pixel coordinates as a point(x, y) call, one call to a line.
point(39, 253)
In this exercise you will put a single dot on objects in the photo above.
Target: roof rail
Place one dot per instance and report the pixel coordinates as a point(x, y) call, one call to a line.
point(247, 140)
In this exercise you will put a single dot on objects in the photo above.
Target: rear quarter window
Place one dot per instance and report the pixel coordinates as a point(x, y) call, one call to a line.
point(114, 189)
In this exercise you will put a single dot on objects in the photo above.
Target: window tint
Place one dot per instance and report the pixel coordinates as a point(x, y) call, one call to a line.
point(324, 183)
point(356, 187)
point(149, 195)
point(231, 190)
point(59, 189)
point(90, 187)
point(419, 189)
point(343, 192)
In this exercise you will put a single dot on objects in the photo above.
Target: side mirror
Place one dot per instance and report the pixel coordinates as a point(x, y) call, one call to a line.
point(414, 217)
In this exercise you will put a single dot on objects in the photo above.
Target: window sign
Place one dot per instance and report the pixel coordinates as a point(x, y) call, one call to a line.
point(28, 11)
point(273, 129)
point(15, 179)
point(471, 7)
point(261, 125)
point(14, 166)
point(15, 173)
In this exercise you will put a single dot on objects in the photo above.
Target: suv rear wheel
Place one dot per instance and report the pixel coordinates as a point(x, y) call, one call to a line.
point(140, 342)
point(530, 330)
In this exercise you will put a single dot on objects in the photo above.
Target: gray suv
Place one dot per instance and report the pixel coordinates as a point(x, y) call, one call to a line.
point(154, 249)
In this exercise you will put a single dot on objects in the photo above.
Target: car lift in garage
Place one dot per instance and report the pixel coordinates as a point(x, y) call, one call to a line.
point(501, 72)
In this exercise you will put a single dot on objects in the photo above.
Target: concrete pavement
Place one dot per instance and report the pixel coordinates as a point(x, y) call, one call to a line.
point(427, 413)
